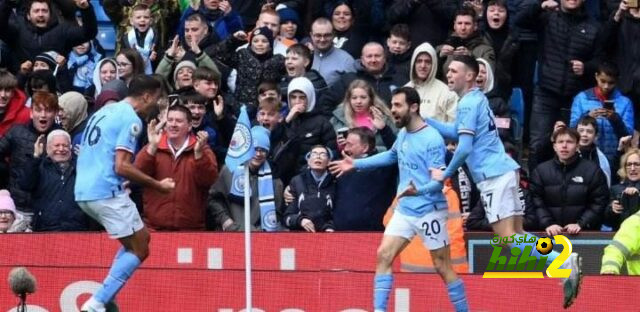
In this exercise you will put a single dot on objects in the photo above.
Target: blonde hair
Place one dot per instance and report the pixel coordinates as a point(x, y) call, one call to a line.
point(375, 101)
point(622, 172)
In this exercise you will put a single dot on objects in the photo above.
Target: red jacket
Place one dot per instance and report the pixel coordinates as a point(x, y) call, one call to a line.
point(16, 112)
point(185, 207)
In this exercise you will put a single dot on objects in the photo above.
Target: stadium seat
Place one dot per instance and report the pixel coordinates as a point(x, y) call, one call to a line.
point(101, 16)
point(517, 113)
point(107, 38)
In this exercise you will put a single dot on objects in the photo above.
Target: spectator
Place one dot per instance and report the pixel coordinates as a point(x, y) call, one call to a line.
point(372, 68)
point(73, 116)
point(436, 100)
point(362, 197)
point(569, 52)
point(130, 64)
point(40, 81)
point(348, 36)
point(80, 68)
point(38, 31)
point(304, 128)
point(105, 71)
point(10, 220)
point(256, 63)
point(329, 61)
point(49, 177)
point(587, 148)
point(428, 20)
point(289, 26)
point(186, 158)
point(399, 50)
point(314, 191)
point(197, 105)
point(182, 59)
point(166, 15)
point(298, 64)
point(12, 103)
point(269, 18)
point(623, 247)
point(612, 111)
point(362, 107)
point(505, 43)
point(141, 36)
point(486, 81)
point(219, 16)
point(569, 193)
point(18, 143)
point(625, 198)
point(113, 91)
point(465, 40)
point(226, 199)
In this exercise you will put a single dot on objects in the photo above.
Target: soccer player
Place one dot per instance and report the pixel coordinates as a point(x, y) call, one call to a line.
point(493, 171)
point(422, 208)
point(107, 147)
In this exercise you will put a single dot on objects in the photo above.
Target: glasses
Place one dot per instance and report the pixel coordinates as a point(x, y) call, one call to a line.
point(6, 213)
point(321, 155)
point(632, 164)
point(322, 36)
point(123, 64)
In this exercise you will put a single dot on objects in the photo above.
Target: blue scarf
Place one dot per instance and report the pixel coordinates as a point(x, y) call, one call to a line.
point(146, 49)
point(84, 66)
point(266, 200)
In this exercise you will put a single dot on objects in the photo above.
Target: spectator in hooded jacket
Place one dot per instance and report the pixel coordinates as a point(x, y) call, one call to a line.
point(10, 220)
point(436, 100)
point(174, 152)
point(569, 193)
point(39, 30)
point(49, 176)
point(105, 71)
point(487, 82)
point(73, 115)
point(314, 192)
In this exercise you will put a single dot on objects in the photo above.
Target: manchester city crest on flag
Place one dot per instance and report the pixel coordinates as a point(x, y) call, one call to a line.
point(241, 145)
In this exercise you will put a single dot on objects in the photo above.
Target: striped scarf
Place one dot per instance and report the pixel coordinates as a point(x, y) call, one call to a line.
point(266, 199)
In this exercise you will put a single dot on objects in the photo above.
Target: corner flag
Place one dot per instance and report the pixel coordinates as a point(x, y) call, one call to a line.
point(241, 145)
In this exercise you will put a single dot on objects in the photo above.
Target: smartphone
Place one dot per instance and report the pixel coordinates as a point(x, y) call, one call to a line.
point(343, 132)
point(608, 104)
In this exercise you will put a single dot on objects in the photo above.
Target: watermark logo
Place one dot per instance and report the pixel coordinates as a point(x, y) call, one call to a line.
point(521, 263)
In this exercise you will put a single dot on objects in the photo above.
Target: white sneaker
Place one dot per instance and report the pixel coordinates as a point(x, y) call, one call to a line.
point(93, 305)
point(571, 284)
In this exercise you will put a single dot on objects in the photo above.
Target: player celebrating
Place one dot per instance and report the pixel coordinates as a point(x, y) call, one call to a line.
point(422, 208)
point(108, 145)
point(491, 168)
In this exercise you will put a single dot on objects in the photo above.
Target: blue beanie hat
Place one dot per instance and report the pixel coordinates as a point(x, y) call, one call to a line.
point(288, 14)
point(261, 137)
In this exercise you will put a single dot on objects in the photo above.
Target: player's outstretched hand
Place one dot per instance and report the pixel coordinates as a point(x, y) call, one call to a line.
point(411, 190)
point(340, 167)
point(437, 174)
point(167, 185)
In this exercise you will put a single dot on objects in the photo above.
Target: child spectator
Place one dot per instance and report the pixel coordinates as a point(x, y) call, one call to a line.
point(80, 68)
point(10, 220)
point(399, 50)
point(298, 64)
point(141, 37)
point(105, 71)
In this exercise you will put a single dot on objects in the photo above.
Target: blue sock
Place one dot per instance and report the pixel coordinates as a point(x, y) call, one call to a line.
point(550, 257)
point(457, 295)
point(121, 270)
point(381, 289)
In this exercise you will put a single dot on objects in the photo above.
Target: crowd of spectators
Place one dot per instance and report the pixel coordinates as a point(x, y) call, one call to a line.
point(318, 77)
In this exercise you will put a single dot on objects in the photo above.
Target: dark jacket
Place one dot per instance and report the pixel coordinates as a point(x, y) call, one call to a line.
point(383, 86)
point(565, 37)
point(428, 20)
point(351, 41)
point(52, 198)
point(301, 134)
point(563, 194)
point(27, 41)
point(624, 47)
point(312, 201)
point(319, 84)
point(363, 197)
point(17, 147)
point(630, 203)
point(401, 64)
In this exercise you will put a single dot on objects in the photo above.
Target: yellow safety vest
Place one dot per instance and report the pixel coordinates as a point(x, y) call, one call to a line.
point(625, 246)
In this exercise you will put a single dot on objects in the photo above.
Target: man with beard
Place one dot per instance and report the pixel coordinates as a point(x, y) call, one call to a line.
point(422, 207)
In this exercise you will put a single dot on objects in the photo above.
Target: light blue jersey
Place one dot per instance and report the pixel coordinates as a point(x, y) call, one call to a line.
point(488, 157)
point(415, 153)
point(113, 127)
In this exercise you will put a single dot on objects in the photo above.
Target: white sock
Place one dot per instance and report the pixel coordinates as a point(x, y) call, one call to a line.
point(94, 304)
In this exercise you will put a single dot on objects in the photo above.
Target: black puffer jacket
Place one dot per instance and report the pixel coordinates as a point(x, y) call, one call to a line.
point(27, 41)
point(565, 37)
point(312, 201)
point(573, 193)
point(52, 197)
point(629, 203)
point(17, 148)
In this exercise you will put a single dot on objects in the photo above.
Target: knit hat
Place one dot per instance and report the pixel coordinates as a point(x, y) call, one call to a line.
point(288, 14)
point(182, 64)
point(264, 31)
point(49, 58)
point(6, 202)
point(117, 85)
point(260, 137)
point(106, 96)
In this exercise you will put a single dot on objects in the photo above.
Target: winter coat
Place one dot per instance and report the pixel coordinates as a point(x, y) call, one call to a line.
point(385, 137)
point(222, 206)
point(594, 154)
point(615, 219)
point(185, 207)
point(52, 198)
point(476, 44)
point(565, 37)
point(401, 64)
point(319, 84)
point(570, 193)
point(624, 42)
point(312, 201)
point(27, 40)
point(224, 25)
point(351, 41)
point(428, 20)
point(15, 113)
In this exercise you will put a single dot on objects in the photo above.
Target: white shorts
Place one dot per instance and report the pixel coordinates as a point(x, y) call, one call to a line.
point(118, 215)
point(500, 197)
point(432, 228)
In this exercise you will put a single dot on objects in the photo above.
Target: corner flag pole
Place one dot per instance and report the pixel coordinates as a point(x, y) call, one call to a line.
point(247, 239)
